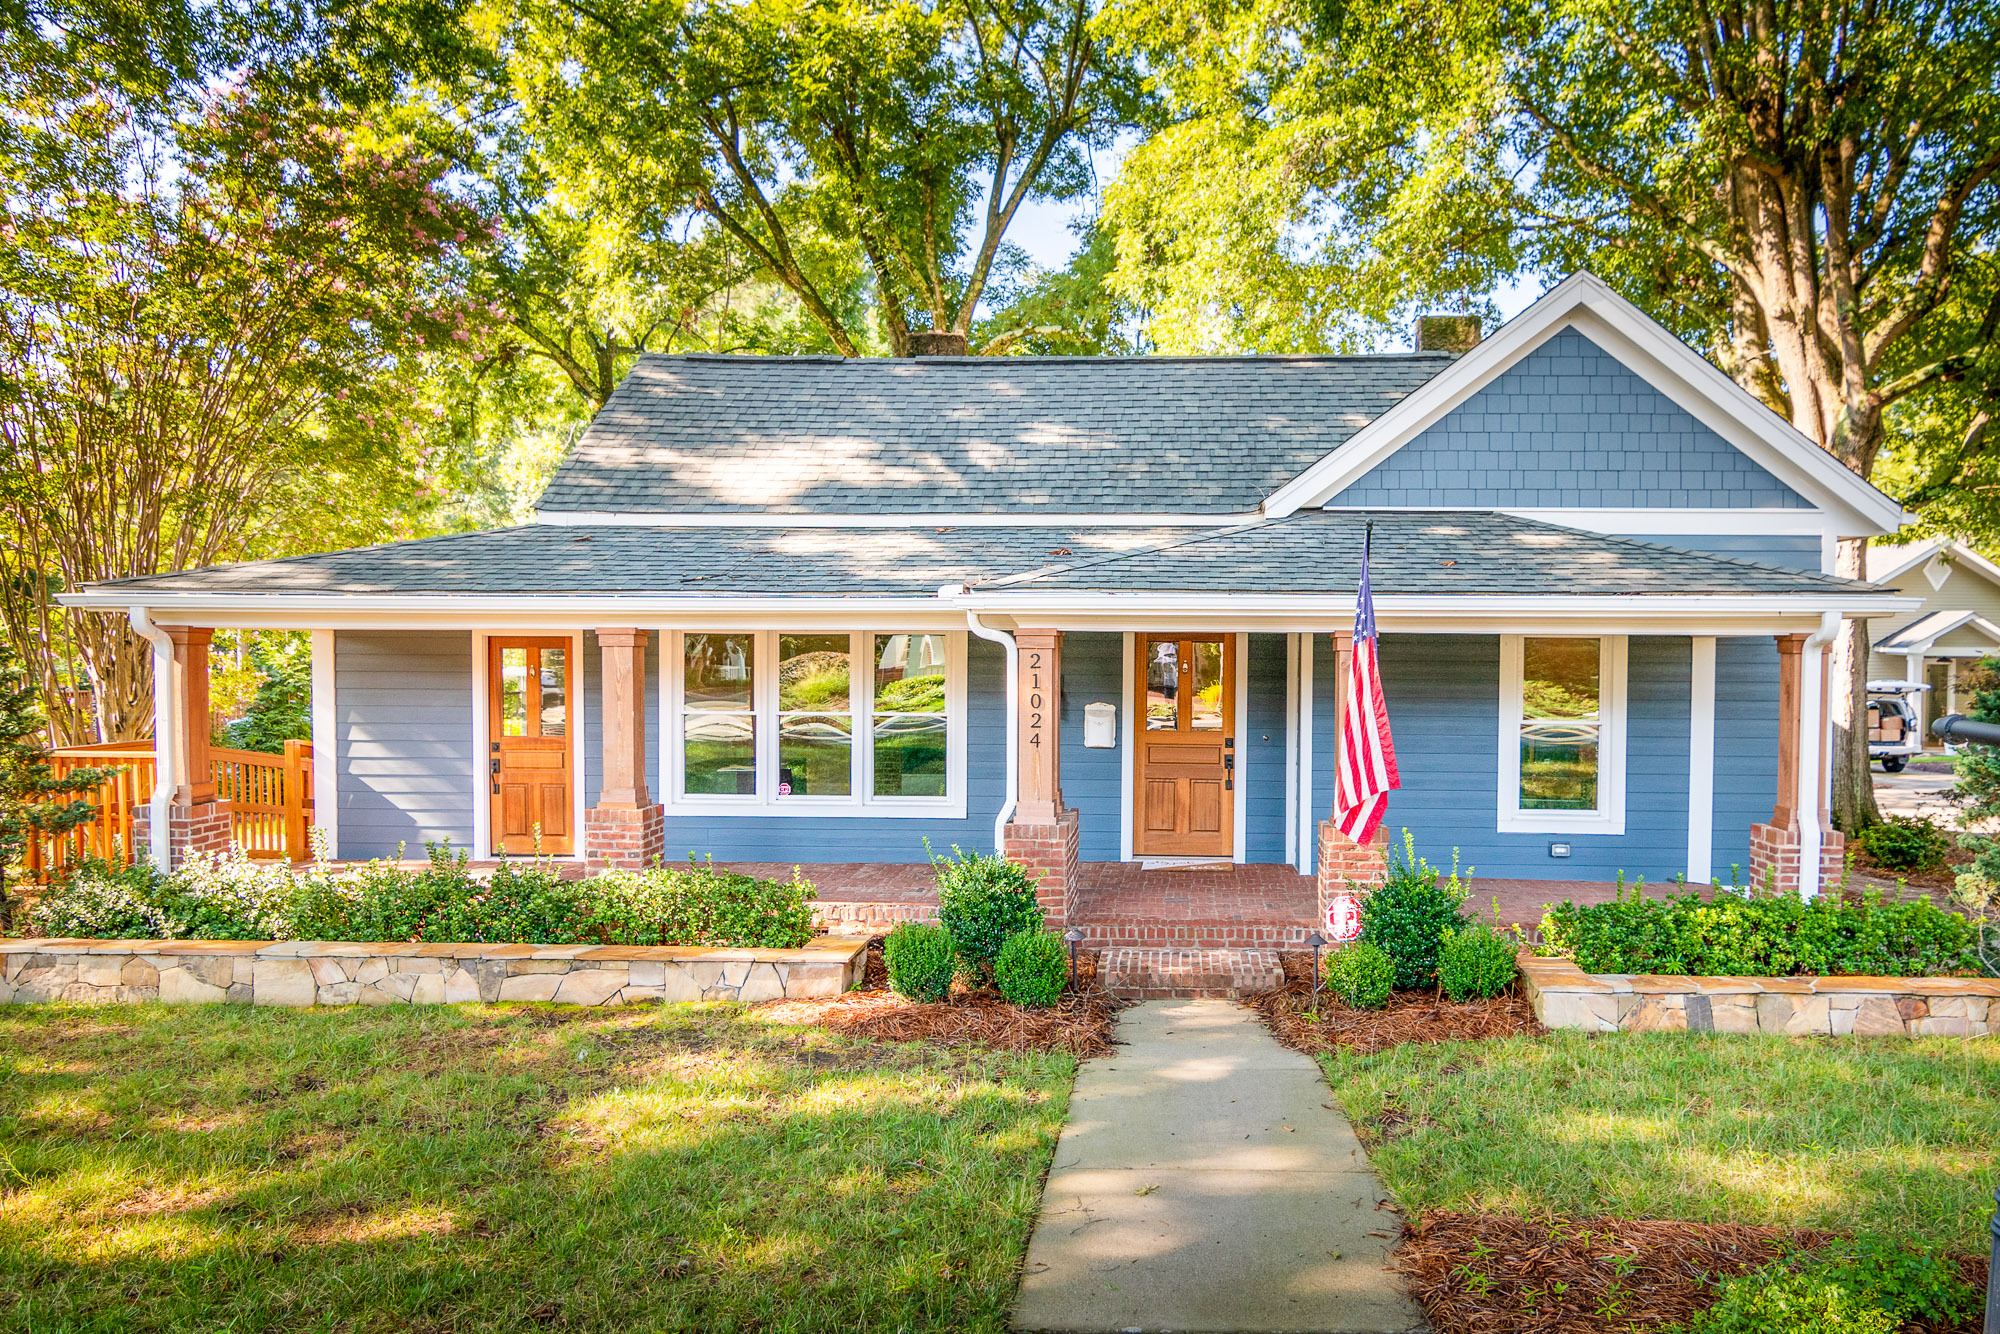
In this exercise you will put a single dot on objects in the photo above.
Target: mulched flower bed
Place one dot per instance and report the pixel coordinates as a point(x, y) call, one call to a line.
point(1499, 1274)
point(1411, 1016)
point(1079, 1024)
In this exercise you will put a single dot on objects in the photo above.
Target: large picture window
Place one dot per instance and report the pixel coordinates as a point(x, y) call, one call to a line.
point(1562, 734)
point(837, 722)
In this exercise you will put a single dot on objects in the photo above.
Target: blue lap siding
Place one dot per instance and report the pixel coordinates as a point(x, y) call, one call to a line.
point(403, 740)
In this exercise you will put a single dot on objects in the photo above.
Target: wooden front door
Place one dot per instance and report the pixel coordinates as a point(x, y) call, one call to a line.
point(529, 724)
point(1185, 782)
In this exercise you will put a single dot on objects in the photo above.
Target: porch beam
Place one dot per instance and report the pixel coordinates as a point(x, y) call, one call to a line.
point(187, 696)
point(1039, 734)
point(622, 666)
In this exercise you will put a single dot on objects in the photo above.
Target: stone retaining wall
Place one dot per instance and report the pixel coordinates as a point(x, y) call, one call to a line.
point(1564, 996)
point(297, 973)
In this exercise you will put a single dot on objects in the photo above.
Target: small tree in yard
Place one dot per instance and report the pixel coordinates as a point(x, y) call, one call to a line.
point(34, 802)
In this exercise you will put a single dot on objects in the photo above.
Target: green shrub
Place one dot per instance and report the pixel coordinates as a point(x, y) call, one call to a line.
point(1032, 968)
point(1409, 914)
point(921, 961)
point(983, 901)
point(1362, 974)
point(1906, 843)
point(1476, 962)
point(102, 903)
point(1751, 934)
point(1870, 1289)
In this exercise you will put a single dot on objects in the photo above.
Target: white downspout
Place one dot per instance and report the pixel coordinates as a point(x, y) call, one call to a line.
point(1813, 769)
point(1013, 651)
point(161, 842)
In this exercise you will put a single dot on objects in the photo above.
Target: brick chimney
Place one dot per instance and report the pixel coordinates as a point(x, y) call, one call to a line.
point(1456, 334)
point(938, 343)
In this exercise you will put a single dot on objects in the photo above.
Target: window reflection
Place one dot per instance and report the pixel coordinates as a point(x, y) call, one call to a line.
point(1163, 684)
point(1560, 723)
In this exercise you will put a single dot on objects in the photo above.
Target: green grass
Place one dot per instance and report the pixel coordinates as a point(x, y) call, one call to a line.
point(693, 1167)
point(1896, 1137)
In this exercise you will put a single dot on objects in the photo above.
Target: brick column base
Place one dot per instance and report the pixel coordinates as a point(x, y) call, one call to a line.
point(190, 829)
point(624, 838)
point(1347, 867)
point(1047, 852)
point(1776, 855)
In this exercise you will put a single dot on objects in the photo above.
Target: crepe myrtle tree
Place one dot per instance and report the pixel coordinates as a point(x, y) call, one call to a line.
point(1808, 192)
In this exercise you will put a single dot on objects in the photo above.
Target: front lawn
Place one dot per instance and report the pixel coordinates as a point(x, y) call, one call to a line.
point(1892, 1137)
point(425, 1168)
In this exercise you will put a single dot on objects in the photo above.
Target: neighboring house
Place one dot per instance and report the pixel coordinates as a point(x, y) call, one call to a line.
point(811, 609)
point(1956, 623)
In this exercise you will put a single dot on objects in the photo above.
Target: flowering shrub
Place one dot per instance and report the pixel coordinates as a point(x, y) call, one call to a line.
point(230, 897)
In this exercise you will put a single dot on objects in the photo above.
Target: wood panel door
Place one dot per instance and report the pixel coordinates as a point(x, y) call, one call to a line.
point(530, 726)
point(1184, 786)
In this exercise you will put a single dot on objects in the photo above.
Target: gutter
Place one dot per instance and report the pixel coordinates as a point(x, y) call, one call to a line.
point(159, 836)
point(1812, 835)
point(1013, 651)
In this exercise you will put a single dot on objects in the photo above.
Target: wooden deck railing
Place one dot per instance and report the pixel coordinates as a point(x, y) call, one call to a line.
point(272, 798)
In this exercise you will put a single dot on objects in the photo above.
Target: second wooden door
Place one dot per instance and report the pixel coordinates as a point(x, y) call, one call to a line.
point(529, 725)
point(1185, 762)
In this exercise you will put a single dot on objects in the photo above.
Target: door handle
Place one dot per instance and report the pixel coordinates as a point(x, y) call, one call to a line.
point(496, 766)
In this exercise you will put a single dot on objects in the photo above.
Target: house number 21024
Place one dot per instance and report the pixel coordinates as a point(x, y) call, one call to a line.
point(1035, 709)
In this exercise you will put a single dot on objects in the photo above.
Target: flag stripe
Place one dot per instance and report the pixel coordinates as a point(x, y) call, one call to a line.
point(1367, 763)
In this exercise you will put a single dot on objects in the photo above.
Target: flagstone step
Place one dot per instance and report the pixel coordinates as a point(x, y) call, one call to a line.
point(1163, 974)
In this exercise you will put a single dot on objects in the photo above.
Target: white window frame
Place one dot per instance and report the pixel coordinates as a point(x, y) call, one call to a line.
point(861, 802)
point(1609, 817)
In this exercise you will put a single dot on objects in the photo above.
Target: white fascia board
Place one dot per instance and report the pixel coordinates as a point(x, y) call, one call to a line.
point(1913, 555)
point(1585, 302)
point(763, 519)
point(544, 613)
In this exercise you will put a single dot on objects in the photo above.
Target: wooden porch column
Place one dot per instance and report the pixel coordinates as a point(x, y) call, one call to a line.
point(1039, 736)
point(623, 653)
point(1791, 697)
point(194, 776)
point(626, 828)
point(1042, 838)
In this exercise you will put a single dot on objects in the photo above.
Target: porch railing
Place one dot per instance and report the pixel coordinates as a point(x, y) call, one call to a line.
point(271, 796)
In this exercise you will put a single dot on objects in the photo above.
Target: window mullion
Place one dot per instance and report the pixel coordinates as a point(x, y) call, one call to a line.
point(764, 704)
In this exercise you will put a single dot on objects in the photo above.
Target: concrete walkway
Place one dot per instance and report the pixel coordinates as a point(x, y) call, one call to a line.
point(1205, 1182)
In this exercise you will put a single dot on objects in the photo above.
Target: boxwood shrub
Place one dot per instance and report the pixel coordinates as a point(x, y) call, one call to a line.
point(1362, 974)
point(1741, 933)
point(921, 961)
point(1408, 916)
point(1032, 968)
point(983, 902)
point(1476, 962)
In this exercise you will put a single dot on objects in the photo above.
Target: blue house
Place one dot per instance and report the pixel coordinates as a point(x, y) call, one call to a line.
point(1093, 612)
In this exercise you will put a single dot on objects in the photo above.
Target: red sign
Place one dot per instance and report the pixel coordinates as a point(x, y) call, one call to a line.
point(1343, 917)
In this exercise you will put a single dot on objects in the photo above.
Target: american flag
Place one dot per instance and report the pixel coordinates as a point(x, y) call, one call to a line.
point(1367, 751)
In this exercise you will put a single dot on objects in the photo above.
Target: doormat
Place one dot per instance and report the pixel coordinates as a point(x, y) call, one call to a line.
point(1185, 864)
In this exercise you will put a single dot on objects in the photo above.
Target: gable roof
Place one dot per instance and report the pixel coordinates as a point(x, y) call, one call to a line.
point(1583, 301)
point(1015, 436)
point(1927, 630)
point(1887, 563)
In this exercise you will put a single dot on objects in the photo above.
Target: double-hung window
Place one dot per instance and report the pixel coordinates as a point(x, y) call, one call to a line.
point(831, 722)
point(1562, 734)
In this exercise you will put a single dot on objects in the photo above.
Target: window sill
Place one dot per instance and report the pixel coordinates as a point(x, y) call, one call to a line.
point(807, 808)
point(1561, 822)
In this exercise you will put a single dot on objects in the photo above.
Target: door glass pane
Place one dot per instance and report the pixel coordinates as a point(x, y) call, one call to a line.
point(909, 673)
point(1163, 684)
point(514, 692)
point(1560, 699)
point(910, 755)
point(555, 696)
point(815, 755)
point(812, 672)
point(718, 671)
point(1205, 701)
point(720, 753)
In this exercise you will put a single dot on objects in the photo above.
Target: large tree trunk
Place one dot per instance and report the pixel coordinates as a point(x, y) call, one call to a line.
point(1852, 798)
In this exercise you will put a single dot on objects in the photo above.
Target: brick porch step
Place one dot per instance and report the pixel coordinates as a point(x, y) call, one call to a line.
point(1160, 974)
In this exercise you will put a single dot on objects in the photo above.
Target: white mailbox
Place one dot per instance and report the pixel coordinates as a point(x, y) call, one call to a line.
point(1100, 726)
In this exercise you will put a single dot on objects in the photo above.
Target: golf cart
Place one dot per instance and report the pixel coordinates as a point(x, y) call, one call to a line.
point(1895, 722)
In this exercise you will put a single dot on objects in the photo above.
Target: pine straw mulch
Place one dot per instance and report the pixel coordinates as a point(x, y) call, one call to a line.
point(1411, 1016)
point(1500, 1274)
point(1080, 1023)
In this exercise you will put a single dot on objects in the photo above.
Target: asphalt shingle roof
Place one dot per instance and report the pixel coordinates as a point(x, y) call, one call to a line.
point(972, 435)
point(1312, 552)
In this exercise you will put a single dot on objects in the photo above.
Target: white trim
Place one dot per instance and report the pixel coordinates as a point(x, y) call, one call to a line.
point(780, 519)
point(1813, 723)
point(1609, 817)
point(1241, 784)
point(1292, 794)
point(1585, 302)
point(1701, 762)
point(1308, 830)
point(1961, 556)
point(1011, 665)
point(482, 752)
point(159, 836)
point(1893, 642)
point(860, 802)
point(1128, 694)
point(326, 742)
point(579, 764)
